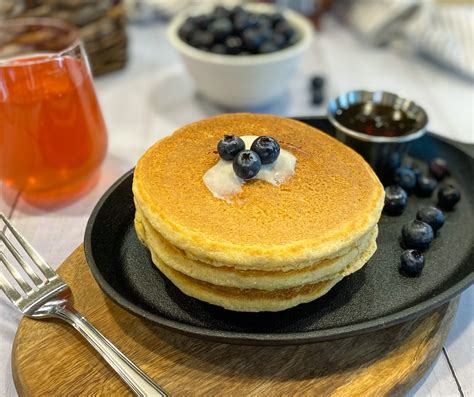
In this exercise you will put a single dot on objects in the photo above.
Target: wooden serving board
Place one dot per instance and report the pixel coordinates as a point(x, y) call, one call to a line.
point(51, 359)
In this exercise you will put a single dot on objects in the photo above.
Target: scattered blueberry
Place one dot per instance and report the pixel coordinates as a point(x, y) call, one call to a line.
point(416, 170)
point(432, 216)
point(412, 262)
point(448, 196)
point(393, 162)
point(417, 234)
point(241, 31)
point(247, 164)
point(317, 97)
point(396, 200)
point(267, 148)
point(425, 186)
point(317, 82)
point(406, 178)
point(229, 146)
point(439, 168)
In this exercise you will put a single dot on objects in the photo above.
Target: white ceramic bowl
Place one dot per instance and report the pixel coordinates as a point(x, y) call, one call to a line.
point(242, 81)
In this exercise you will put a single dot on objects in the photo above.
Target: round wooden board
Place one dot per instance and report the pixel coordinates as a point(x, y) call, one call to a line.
point(51, 359)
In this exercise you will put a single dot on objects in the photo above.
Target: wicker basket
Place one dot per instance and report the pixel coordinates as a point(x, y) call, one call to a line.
point(102, 25)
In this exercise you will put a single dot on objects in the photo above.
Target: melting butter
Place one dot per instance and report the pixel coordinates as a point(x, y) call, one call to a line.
point(223, 183)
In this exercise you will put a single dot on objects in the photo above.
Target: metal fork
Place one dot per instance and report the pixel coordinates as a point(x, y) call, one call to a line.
point(47, 296)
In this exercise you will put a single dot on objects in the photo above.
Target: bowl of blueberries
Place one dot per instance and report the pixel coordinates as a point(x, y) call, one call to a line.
point(241, 57)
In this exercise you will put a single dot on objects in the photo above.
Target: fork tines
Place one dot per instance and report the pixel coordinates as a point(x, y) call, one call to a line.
point(41, 283)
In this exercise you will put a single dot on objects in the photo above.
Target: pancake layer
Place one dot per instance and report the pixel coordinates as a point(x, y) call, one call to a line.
point(269, 247)
point(331, 202)
point(255, 279)
point(255, 300)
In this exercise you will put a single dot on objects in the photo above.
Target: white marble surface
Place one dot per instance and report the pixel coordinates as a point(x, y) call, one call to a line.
point(153, 96)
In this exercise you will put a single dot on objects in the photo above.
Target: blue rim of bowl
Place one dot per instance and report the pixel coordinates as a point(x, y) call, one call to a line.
point(351, 98)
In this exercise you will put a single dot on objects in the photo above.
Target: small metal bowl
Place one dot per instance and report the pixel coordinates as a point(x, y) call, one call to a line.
point(383, 153)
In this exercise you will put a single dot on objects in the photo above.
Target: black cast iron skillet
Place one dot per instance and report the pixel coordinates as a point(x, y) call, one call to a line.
point(373, 298)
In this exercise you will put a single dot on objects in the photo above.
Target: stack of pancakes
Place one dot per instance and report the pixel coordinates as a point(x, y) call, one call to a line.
point(269, 247)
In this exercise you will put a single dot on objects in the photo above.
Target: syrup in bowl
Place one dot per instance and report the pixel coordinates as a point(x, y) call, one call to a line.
point(377, 119)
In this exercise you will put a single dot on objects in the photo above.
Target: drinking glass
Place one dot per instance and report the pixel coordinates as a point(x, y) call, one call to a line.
point(52, 134)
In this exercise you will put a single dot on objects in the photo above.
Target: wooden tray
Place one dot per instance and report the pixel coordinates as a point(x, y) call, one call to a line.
point(51, 359)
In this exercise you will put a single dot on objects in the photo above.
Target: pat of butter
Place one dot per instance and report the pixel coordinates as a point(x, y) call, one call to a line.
point(223, 183)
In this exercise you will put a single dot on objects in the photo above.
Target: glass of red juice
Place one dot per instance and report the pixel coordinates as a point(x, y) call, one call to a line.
point(52, 134)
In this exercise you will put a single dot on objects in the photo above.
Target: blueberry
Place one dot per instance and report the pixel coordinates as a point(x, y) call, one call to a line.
point(237, 11)
point(202, 21)
point(432, 216)
point(267, 148)
point(264, 22)
point(221, 28)
point(186, 30)
point(221, 12)
point(417, 234)
point(279, 40)
point(439, 168)
point(317, 97)
point(448, 196)
point(233, 44)
point(276, 18)
point(252, 39)
point(229, 146)
point(243, 22)
point(266, 34)
point(406, 178)
point(267, 48)
point(425, 186)
point(219, 49)
point(201, 39)
point(391, 163)
point(412, 262)
point(317, 82)
point(293, 40)
point(417, 171)
point(285, 28)
point(247, 164)
point(396, 200)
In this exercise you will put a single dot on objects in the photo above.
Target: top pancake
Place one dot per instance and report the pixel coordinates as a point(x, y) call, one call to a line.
point(333, 199)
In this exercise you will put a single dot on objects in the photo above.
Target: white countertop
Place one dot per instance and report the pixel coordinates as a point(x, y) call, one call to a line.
point(154, 95)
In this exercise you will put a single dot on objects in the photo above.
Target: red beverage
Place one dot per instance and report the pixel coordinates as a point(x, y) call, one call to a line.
point(52, 134)
point(51, 127)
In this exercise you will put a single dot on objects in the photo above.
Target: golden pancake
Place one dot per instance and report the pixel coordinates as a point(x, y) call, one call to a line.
point(233, 277)
point(331, 202)
point(253, 300)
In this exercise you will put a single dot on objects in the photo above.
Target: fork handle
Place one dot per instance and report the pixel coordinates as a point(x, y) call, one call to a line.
point(138, 381)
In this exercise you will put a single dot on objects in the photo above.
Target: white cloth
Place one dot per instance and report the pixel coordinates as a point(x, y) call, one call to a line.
point(443, 33)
